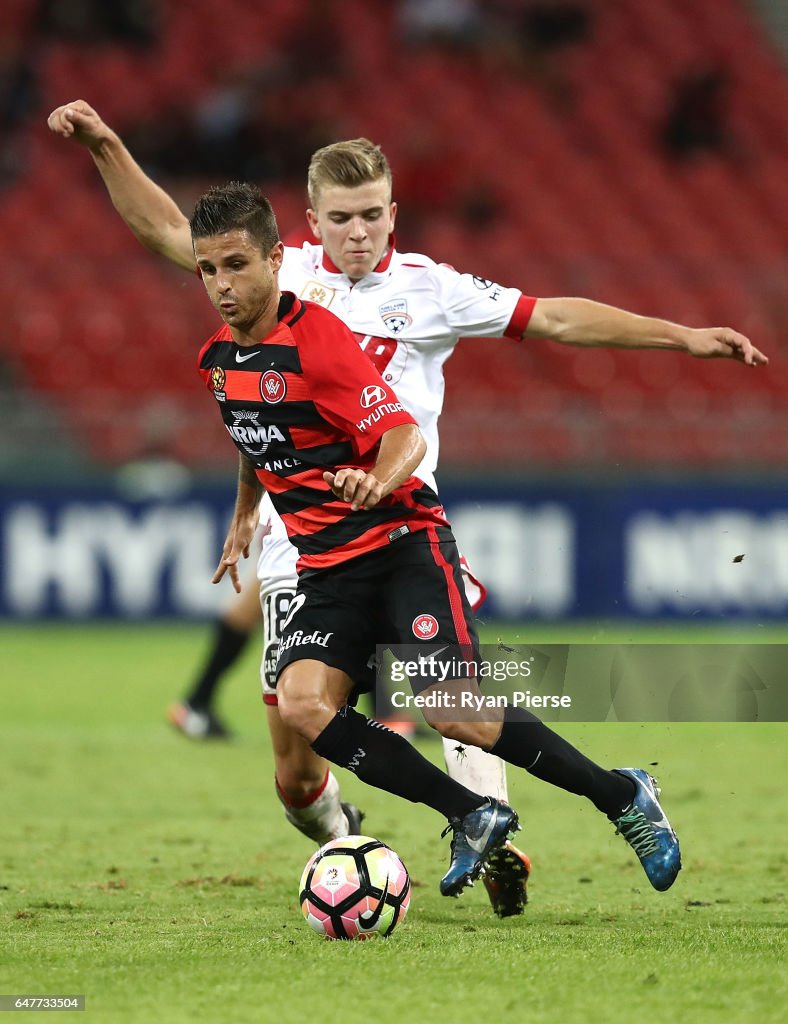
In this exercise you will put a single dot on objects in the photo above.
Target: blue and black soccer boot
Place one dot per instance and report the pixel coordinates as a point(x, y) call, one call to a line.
point(648, 831)
point(475, 837)
point(354, 818)
point(505, 878)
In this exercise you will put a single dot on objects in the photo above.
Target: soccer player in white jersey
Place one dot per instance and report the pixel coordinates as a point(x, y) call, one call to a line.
point(408, 313)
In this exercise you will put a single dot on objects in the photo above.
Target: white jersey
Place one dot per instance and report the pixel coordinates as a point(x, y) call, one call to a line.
point(408, 314)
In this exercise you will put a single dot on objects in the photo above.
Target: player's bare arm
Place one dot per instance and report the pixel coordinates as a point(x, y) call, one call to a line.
point(401, 450)
point(243, 525)
point(584, 322)
point(153, 217)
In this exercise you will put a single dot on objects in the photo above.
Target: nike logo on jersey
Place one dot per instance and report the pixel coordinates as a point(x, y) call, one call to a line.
point(242, 359)
point(366, 920)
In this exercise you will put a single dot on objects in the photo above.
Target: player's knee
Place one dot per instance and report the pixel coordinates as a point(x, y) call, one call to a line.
point(299, 706)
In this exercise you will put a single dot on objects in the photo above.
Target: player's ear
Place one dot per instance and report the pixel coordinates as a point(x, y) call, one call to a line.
point(393, 214)
point(311, 218)
point(276, 255)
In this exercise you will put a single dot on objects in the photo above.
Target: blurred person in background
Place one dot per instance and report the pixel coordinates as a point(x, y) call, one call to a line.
point(18, 97)
point(130, 22)
point(195, 715)
point(408, 313)
point(454, 24)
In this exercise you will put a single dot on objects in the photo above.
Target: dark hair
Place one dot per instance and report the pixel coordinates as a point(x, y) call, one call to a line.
point(235, 207)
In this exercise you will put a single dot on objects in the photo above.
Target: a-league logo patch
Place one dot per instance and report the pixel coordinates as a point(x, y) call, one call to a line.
point(316, 291)
point(425, 626)
point(273, 387)
point(218, 379)
point(395, 315)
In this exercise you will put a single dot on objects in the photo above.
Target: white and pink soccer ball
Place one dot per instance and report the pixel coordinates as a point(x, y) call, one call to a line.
point(353, 888)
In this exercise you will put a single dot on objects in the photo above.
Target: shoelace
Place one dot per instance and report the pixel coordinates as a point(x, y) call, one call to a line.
point(636, 829)
point(456, 823)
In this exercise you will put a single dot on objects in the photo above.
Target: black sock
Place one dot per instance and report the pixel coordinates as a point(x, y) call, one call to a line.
point(227, 645)
point(527, 742)
point(383, 759)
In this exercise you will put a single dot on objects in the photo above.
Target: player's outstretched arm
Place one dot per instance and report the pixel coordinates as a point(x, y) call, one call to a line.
point(151, 214)
point(584, 322)
point(401, 449)
point(243, 525)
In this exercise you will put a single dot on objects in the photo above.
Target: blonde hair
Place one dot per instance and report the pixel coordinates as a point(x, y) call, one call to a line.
point(350, 163)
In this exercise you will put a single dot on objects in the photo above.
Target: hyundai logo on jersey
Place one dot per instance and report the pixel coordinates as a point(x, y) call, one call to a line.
point(371, 395)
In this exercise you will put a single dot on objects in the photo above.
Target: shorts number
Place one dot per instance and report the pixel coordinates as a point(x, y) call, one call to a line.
point(275, 613)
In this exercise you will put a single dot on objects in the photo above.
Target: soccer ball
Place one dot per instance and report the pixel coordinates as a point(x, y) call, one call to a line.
point(353, 888)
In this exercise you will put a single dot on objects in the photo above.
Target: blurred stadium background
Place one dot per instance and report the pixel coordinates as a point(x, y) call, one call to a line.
point(635, 153)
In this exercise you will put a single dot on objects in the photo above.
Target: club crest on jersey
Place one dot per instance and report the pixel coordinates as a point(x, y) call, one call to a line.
point(425, 626)
point(218, 379)
point(395, 315)
point(316, 291)
point(273, 387)
point(372, 395)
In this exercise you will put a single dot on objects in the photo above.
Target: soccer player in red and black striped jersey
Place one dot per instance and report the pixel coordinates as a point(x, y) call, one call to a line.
point(317, 426)
point(302, 399)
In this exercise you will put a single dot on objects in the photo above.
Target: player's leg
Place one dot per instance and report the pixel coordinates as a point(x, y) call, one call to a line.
point(508, 868)
point(518, 737)
point(310, 695)
point(305, 785)
point(307, 788)
point(472, 766)
point(629, 797)
point(194, 716)
point(324, 646)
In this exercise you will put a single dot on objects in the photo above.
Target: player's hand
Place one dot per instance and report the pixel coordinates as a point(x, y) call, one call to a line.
point(724, 343)
point(238, 542)
point(78, 121)
point(362, 490)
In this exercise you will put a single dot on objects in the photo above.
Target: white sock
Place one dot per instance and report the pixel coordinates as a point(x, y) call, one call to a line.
point(476, 769)
point(320, 816)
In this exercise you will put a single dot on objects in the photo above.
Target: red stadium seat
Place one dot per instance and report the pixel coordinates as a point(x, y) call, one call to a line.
point(586, 204)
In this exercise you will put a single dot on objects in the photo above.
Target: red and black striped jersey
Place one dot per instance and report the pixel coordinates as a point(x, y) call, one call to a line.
point(304, 400)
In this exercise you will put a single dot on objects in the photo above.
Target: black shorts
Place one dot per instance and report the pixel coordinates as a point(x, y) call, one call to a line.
point(408, 593)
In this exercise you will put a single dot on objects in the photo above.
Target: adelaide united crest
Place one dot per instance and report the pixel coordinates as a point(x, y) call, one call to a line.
point(395, 315)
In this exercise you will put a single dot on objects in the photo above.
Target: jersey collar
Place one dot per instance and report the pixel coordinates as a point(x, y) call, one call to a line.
point(289, 310)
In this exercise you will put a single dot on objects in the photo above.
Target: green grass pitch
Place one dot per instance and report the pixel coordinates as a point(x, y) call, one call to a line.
point(159, 878)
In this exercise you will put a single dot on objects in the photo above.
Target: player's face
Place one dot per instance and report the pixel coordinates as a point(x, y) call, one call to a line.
point(354, 225)
point(241, 282)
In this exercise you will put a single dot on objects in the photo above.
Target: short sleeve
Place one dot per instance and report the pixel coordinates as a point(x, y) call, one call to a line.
point(344, 385)
point(478, 307)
